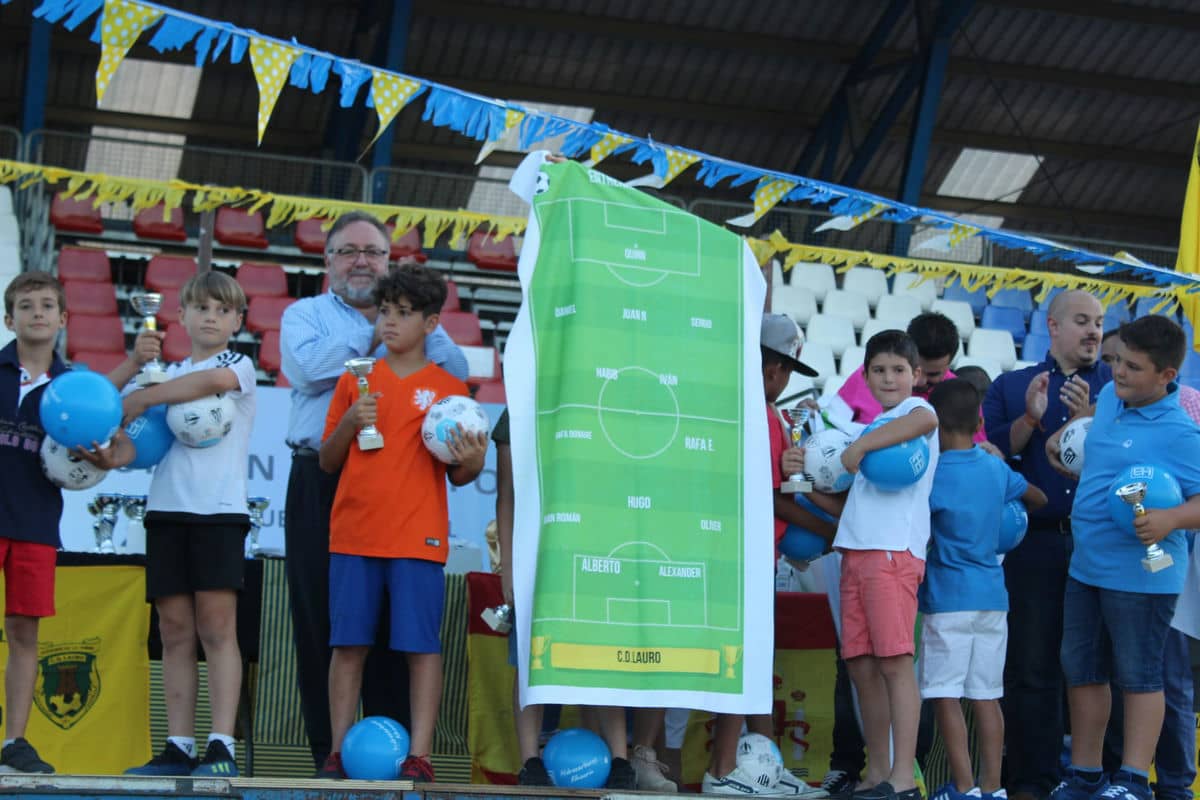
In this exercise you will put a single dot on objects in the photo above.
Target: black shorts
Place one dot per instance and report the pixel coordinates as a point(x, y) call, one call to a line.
point(184, 558)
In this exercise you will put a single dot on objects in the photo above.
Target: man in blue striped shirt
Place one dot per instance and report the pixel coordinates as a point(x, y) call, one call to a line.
point(317, 336)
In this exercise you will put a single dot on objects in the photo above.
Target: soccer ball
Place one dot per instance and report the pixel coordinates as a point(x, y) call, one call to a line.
point(66, 470)
point(444, 415)
point(823, 460)
point(1071, 444)
point(759, 758)
point(202, 422)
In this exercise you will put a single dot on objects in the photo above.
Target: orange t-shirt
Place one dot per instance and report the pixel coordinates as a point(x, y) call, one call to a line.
point(391, 502)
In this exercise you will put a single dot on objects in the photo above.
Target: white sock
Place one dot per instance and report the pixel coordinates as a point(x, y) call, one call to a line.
point(185, 743)
point(228, 741)
point(7, 742)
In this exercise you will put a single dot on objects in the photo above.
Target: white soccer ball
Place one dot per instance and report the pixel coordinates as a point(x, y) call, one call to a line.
point(202, 422)
point(759, 758)
point(823, 460)
point(1071, 444)
point(441, 418)
point(66, 470)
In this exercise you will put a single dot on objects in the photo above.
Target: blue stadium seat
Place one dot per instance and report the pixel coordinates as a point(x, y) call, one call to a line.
point(1146, 304)
point(1036, 346)
point(1115, 316)
point(1014, 298)
point(1005, 318)
point(1050, 295)
point(977, 299)
point(1037, 321)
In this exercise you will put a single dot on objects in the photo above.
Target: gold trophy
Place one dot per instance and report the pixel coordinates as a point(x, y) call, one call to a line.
point(369, 437)
point(257, 506)
point(1156, 558)
point(732, 654)
point(798, 483)
point(147, 305)
point(537, 648)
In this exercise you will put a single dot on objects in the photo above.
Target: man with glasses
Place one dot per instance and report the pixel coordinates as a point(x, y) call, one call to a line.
point(317, 335)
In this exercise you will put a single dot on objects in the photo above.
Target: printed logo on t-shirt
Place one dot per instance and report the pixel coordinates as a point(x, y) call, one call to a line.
point(433, 542)
point(424, 398)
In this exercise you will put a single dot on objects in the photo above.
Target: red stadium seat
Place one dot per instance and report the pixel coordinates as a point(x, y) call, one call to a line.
point(262, 280)
point(178, 345)
point(149, 224)
point(75, 216)
point(309, 236)
point(463, 327)
point(483, 363)
point(83, 264)
point(237, 228)
point(169, 272)
point(491, 392)
point(85, 297)
point(451, 303)
point(281, 381)
point(98, 360)
point(268, 352)
point(407, 246)
point(485, 252)
point(168, 312)
point(325, 283)
point(88, 332)
point(264, 313)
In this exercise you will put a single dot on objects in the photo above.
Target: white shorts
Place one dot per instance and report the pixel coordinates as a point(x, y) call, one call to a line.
point(962, 654)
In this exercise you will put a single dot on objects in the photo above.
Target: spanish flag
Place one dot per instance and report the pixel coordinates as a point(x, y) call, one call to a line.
point(1189, 240)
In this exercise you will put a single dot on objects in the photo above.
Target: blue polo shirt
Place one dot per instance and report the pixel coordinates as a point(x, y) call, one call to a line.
point(1005, 404)
point(962, 572)
point(30, 505)
point(1161, 434)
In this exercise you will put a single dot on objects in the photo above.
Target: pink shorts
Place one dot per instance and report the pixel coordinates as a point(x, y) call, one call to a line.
point(879, 602)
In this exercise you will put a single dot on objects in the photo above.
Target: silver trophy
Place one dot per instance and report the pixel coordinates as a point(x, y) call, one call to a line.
point(369, 437)
point(135, 536)
point(798, 483)
point(1156, 558)
point(257, 506)
point(106, 508)
point(147, 305)
point(499, 618)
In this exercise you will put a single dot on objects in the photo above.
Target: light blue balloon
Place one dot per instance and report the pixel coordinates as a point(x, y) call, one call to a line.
point(374, 749)
point(80, 407)
point(893, 468)
point(577, 759)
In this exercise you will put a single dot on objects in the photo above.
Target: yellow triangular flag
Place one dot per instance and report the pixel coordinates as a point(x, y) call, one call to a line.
point(1189, 242)
point(512, 118)
point(604, 148)
point(122, 23)
point(960, 233)
point(850, 222)
point(272, 62)
point(389, 93)
point(767, 195)
point(677, 162)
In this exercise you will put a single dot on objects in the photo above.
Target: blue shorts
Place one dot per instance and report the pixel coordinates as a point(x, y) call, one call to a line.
point(1117, 637)
point(415, 590)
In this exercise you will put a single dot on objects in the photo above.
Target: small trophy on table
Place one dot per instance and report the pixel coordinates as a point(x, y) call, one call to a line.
point(257, 506)
point(1156, 558)
point(135, 531)
point(369, 437)
point(106, 508)
point(798, 483)
point(147, 304)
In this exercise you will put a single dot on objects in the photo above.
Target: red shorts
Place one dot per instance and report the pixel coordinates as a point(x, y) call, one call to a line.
point(28, 577)
point(879, 602)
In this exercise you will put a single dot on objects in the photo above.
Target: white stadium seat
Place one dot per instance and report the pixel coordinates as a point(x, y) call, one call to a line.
point(848, 304)
point(1024, 364)
point(925, 291)
point(852, 359)
point(898, 307)
point(798, 384)
point(837, 332)
point(816, 277)
point(776, 272)
point(819, 356)
point(990, 365)
point(959, 312)
point(994, 345)
point(6, 203)
point(832, 385)
point(874, 326)
point(797, 302)
point(10, 231)
point(871, 283)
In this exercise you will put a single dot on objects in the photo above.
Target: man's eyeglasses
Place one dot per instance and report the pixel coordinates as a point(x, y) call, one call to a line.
point(352, 253)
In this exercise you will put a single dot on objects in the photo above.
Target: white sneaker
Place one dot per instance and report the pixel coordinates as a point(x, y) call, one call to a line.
point(651, 773)
point(791, 786)
point(736, 782)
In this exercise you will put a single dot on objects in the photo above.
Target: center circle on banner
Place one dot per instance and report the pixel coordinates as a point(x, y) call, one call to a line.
point(641, 277)
point(625, 401)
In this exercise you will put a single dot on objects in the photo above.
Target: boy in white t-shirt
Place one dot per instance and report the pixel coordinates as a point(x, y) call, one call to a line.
point(882, 536)
point(196, 523)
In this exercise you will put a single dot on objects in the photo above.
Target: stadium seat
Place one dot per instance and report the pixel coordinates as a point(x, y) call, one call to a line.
point(491, 392)
point(6, 203)
point(486, 252)
point(281, 381)
point(1115, 316)
point(75, 216)
point(851, 360)
point(798, 302)
point(1049, 298)
point(776, 273)
point(98, 360)
point(169, 272)
point(898, 307)
point(463, 327)
point(177, 345)
point(268, 352)
point(819, 356)
point(149, 224)
point(10, 229)
point(1038, 321)
point(832, 385)
point(264, 313)
point(993, 345)
point(798, 387)
point(1014, 298)
point(482, 363)
point(849, 304)
point(1005, 318)
point(407, 246)
point(86, 297)
point(874, 326)
point(262, 280)
point(835, 331)
point(817, 278)
point(871, 283)
point(959, 312)
point(977, 299)
point(1146, 305)
point(96, 333)
point(1035, 347)
point(168, 312)
point(84, 264)
point(238, 228)
point(909, 284)
point(309, 236)
point(1021, 364)
point(990, 365)
point(452, 303)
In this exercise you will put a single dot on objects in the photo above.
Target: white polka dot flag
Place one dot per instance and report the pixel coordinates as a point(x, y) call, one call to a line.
point(121, 23)
point(767, 195)
point(605, 147)
point(272, 64)
point(677, 162)
point(390, 93)
point(851, 221)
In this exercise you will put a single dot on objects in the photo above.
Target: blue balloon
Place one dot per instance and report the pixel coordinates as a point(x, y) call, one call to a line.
point(577, 759)
point(374, 749)
point(1162, 491)
point(801, 544)
point(151, 436)
point(80, 407)
point(898, 466)
point(1014, 521)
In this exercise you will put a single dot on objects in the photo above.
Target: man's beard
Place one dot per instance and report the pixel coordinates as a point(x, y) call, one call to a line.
point(358, 296)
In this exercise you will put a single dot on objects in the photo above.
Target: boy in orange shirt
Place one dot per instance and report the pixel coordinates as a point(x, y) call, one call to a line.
point(389, 527)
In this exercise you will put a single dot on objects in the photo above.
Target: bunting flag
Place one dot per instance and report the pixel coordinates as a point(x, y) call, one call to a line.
point(609, 144)
point(389, 94)
point(122, 22)
point(272, 63)
point(512, 118)
point(1189, 239)
point(851, 221)
point(676, 162)
point(767, 195)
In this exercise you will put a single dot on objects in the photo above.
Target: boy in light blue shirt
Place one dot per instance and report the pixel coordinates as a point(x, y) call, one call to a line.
point(1116, 614)
point(963, 598)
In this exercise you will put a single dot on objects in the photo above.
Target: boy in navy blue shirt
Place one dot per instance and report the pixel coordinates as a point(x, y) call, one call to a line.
point(1116, 614)
point(963, 597)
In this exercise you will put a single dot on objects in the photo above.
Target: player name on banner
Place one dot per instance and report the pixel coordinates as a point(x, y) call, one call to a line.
point(642, 544)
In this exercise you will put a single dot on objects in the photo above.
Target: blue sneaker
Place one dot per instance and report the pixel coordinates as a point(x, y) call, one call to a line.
point(949, 792)
point(1074, 787)
point(1125, 786)
point(217, 762)
point(999, 794)
point(171, 762)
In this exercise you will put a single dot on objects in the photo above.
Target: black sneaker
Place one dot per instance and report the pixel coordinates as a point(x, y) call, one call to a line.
point(839, 784)
point(171, 762)
point(621, 775)
point(21, 757)
point(217, 762)
point(533, 773)
point(332, 768)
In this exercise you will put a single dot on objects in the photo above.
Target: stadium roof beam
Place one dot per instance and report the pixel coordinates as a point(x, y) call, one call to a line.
point(1114, 12)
